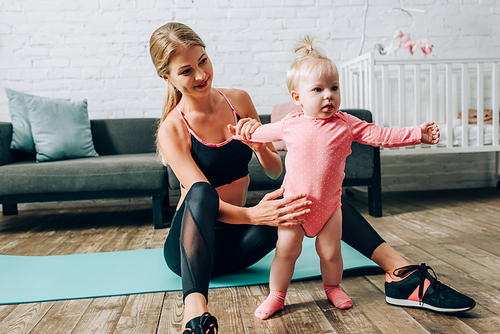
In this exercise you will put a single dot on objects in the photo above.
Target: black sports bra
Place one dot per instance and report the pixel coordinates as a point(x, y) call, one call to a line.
point(221, 163)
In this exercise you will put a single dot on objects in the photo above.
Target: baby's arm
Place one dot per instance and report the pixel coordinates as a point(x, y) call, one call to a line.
point(252, 130)
point(371, 134)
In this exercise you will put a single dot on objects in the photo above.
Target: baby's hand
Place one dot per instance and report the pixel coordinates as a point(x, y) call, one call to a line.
point(430, 133)
point(244, 129)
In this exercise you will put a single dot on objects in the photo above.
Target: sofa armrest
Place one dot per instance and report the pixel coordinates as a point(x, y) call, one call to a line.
point(6, 155)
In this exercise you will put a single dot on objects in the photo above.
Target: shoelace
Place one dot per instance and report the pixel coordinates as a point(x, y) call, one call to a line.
point(425, 271)
point(204, 319)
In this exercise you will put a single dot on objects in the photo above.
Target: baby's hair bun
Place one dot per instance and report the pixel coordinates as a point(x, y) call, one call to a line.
point(305, 45)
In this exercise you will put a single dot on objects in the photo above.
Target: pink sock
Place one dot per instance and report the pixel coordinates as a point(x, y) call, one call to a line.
point(274, 302)
point(338, 297)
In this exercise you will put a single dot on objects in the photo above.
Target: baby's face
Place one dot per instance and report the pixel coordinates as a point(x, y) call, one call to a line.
point(319, 94)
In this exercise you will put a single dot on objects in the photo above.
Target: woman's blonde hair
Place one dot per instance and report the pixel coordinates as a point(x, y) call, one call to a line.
point(308, 56)
point(162, 46)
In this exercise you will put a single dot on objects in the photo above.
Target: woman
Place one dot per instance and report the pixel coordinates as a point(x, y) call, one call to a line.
point(212, 232)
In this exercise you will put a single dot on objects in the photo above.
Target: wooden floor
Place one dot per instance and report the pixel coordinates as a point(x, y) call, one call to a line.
point(456, 232)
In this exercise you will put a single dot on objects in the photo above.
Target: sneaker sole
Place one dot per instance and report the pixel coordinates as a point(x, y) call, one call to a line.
point(412, 303)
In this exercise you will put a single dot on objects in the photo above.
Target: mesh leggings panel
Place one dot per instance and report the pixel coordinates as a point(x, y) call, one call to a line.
point(189, 249)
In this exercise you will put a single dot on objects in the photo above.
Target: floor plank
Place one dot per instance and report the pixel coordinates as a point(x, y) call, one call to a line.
point(24, 318)
point(62, 317)
point(353, 320)
point(301, 314)
point(102, 315)
point(249, 298)
point(171, 313)
point(224, 306)
point(385, 317)
point(141, 314)
point(5, 310)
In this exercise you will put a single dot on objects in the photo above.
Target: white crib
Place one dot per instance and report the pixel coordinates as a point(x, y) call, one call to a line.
point(408, 92)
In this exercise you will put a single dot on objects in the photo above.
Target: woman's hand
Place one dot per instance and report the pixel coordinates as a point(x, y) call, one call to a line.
point(246, 126)
point(244, 129)
point(430, 133)
point(281, 212)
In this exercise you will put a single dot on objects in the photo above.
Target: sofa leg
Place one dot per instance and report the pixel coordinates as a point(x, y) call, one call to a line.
point(9, 209)
point(375, 200)
point(157, 211)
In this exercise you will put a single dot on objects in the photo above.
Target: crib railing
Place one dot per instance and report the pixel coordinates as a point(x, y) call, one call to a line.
point(408, 92)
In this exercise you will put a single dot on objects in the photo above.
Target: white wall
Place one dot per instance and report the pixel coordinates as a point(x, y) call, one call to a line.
point(98, 49)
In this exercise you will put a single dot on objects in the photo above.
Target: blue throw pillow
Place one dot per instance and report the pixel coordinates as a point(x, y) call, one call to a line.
point(60, 128)
point(21, 129)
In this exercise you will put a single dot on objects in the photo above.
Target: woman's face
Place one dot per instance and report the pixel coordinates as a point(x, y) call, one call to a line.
point(191, 71)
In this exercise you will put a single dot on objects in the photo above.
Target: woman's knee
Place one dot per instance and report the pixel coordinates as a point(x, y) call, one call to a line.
point(202, 195)
point(202, 191)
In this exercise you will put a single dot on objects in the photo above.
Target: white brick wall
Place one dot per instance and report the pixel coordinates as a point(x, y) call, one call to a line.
point(98, 49)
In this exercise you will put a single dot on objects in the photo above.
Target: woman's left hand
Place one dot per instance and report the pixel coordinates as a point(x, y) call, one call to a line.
point(245, 128)
point(430, 133)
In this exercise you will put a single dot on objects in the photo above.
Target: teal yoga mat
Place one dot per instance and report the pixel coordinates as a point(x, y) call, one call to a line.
point(27, 279)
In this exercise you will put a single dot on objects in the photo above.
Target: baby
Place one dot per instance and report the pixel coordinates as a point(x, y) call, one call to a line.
point(318, 139)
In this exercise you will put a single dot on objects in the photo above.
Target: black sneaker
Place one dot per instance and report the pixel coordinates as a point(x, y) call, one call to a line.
point(420, 289)
point(204, 324)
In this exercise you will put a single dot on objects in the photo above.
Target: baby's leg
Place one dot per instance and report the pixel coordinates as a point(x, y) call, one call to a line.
point(328, 248)
point(288, 249)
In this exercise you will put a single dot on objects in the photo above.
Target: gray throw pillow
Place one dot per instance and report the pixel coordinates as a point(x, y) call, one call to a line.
point(22, 138)
point(60, 128)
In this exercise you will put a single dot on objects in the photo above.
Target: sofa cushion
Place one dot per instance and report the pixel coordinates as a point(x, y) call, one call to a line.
point(60, 128)
point(124, 136)
point(105, 173)
point(22, 139)
point(359, 164)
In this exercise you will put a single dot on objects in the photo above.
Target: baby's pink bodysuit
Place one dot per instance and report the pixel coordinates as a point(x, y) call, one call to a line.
point(317, 150)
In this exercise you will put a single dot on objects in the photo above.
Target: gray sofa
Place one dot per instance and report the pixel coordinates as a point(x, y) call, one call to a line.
point(128, 167)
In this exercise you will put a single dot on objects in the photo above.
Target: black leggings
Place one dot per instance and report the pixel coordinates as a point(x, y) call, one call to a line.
point(198, 246)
